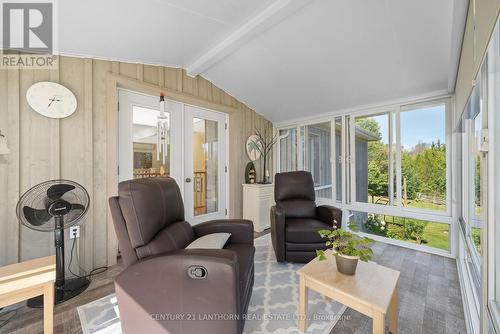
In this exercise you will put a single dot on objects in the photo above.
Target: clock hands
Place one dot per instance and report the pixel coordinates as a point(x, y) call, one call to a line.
point(52, 100)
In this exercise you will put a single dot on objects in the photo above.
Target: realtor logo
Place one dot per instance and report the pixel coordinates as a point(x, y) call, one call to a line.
point(28, 35)
point(27, 27)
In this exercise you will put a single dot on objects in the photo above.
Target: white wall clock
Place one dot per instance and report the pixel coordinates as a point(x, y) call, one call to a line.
point(51, 99)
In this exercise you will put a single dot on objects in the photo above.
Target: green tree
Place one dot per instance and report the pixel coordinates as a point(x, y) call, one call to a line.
point(409, 173)
point(370, 125)
point(378, 159)
point(430, 167)
point(424, 168)
point(378, 173)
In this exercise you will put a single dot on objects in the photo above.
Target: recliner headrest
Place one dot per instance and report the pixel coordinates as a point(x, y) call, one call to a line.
point(149, 205)
point(294, 185)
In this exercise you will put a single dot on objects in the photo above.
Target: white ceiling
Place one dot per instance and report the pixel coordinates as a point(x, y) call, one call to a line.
point(167, 32)
point(284, 58)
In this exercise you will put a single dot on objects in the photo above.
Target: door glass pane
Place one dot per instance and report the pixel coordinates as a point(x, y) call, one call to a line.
point(205, 166)
point(148, 162)
point(372, 159)
point(288, 150)
point(423, 158)
point(317, 156)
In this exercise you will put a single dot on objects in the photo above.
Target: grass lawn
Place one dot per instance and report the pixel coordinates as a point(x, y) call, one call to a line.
point(436, 235)
point(411, 203)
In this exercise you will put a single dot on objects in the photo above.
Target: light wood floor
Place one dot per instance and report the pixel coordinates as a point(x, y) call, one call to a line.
point(429, 298)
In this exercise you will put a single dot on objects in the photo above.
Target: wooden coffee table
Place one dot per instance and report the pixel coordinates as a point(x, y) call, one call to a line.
point(371, 291)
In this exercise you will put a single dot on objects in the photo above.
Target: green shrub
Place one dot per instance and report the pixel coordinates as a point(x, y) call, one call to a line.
point(414, 229)
point(395, 231)
point(396, 227)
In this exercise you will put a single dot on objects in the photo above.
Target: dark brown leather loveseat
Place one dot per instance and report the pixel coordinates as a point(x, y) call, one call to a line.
point(296, 220)
point(166, 288)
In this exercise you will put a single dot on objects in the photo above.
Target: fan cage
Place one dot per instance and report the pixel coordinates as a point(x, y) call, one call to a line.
point(36, 197)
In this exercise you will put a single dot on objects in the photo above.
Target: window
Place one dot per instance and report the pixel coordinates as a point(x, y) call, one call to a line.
point(288, 150)
point(417, 231)
point(371, 140)
point(401, 158)
point(476, 176)
point(338, 159)
point(390, 164)
point(423, 158)
point(473, 177)
point(316, 146)
point(493, 97)
point(472, 124)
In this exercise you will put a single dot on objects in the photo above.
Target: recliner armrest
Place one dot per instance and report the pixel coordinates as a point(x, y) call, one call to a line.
point(241, 229)
point(161, 293)
point(329, 215)
point(278, 232)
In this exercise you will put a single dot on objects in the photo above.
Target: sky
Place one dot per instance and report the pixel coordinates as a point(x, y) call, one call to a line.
point(425, 125)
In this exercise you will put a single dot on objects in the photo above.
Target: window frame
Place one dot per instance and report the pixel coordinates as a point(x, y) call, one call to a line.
point(395, 163)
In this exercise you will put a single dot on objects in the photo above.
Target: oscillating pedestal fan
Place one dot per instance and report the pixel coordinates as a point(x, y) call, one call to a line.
point(53, 206)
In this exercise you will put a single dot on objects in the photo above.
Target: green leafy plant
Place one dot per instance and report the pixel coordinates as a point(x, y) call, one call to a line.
point(346, 243)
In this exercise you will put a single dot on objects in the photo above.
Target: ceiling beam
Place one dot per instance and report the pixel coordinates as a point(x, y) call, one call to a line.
point(270, 16)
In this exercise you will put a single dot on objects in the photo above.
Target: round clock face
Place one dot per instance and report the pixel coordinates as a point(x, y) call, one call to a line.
point(51, 99)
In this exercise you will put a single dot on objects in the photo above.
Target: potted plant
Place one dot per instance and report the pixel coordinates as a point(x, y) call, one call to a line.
point(347, 247)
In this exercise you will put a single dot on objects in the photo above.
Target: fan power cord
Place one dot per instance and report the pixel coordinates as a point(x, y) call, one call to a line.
point(95, 271)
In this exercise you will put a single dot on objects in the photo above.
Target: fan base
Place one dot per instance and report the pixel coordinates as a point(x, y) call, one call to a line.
point(72, 287)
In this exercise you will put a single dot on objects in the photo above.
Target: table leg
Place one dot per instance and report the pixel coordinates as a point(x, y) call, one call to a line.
point(379, 323)
point(302, 304)
point(393, 312)
point(48, 308)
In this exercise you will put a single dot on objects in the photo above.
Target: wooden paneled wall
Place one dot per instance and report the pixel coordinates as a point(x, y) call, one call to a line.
point(76, 147)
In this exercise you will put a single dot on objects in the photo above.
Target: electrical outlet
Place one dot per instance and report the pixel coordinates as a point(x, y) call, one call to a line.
point(74, 232)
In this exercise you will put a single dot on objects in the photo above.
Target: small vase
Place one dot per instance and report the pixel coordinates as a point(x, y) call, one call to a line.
point(346, 264)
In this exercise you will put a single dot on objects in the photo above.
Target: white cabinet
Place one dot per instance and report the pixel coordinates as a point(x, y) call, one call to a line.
point(257, 202)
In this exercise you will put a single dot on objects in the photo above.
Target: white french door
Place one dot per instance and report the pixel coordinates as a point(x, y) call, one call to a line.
point(205, 164)
point(195, 156)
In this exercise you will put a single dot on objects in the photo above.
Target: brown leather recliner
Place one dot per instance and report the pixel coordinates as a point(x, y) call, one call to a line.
point(166, 288)
point(296, 220)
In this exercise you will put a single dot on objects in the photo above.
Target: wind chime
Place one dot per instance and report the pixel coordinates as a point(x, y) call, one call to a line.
point(162, 132)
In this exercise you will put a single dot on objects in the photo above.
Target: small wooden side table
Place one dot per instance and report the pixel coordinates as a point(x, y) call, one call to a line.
point(372, 291)
point(29, 279)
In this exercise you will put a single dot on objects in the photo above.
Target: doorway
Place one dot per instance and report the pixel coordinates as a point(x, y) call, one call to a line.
point(192, 151)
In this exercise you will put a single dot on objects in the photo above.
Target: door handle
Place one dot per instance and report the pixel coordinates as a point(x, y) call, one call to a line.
point(188, 179)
